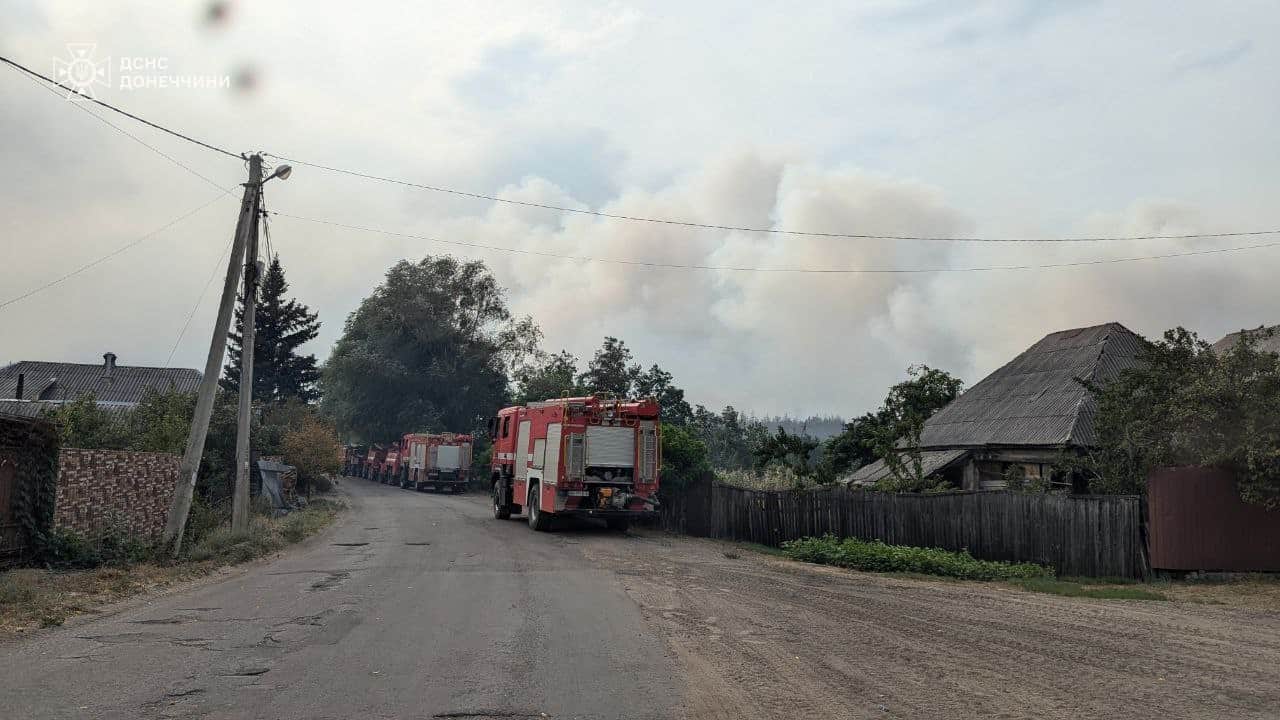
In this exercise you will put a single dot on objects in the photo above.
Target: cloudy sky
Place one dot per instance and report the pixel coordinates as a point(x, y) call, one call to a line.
point(1001, 119)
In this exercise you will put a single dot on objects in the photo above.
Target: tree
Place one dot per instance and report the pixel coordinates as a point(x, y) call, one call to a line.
point(431, 348)
point(892, 432)
point(793, 452)
point(657, 383)
point(82, 423)
point(281, 326)
point(684, 459)
point(1185, 404)
point(552, 376)
point(609, 371)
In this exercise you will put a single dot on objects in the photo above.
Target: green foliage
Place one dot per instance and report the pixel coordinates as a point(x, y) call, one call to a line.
point(610, 371)
point(771, 478)
point(796, 453)
point(280, 327)
point(892, 433)
point(430, 349)
point(1101, 589)
point(549, 376)
point(82, 423)
point(879, 557)
point(684, 459)
point(67, 549)
point(236, 546)
point(1184, 404)
point(730, 436)
point(161, 422)
point(658, 383)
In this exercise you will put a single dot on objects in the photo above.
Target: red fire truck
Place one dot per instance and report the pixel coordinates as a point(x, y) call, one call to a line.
point(434, 461)
point(373, 461)
point(576, 457)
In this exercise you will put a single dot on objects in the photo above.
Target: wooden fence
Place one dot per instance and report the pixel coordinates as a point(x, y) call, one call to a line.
point(1098, 536)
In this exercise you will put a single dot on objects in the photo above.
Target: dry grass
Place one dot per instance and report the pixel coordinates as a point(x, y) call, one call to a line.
point(1261, 592)
point(34, 598)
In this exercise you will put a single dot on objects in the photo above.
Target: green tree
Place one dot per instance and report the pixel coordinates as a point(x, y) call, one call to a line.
point(610, 371)
point(796, 453)
point(281, 326)
point(552, 376)
point(312, 447)
point(684, 459)
point(1185, 404)
point(657, 383)
point(430, 349)
point(82, 423)
point(161, 421)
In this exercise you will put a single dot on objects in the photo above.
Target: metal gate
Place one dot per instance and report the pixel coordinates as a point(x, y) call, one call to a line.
point(10, 532)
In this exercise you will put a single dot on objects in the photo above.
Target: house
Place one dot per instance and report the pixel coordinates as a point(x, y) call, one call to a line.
point(1023, 416)
point(1268, 339)
point(27, 387)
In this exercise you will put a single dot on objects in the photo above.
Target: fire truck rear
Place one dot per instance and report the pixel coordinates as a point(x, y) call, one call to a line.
point(576, 457)
point(437, 461)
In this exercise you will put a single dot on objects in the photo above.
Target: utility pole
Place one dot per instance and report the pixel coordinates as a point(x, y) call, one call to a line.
point(180, 505)
point(244, 460)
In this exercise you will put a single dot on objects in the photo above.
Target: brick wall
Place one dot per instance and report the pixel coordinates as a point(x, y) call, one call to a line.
point(127, 490)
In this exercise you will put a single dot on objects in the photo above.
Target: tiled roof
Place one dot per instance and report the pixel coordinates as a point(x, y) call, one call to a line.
point(1037, 399)
point(126, 385)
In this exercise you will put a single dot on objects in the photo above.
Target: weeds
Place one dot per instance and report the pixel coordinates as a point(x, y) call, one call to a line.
point(1100, 589)
point(879, 557)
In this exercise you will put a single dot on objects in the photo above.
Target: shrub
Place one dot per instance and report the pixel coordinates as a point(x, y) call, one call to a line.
point(313, 448)
point(878, 557)
point(66, 549)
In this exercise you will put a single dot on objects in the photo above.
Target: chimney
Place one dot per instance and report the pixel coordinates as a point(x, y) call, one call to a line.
point(109, 366)
point(21, 381)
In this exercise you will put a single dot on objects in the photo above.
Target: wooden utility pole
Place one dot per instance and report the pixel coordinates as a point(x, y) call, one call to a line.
point(244, 459)
point(180, 505)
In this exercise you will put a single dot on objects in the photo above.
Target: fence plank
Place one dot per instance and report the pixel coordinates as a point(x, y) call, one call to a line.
point(1077, 535)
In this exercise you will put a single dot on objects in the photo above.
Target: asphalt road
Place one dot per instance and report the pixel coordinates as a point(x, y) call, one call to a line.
point(414, 606)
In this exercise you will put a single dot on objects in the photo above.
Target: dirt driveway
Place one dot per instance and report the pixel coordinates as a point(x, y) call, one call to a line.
point(766, 638)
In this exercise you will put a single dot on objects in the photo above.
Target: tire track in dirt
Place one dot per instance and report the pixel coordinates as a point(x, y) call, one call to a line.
point(760, 637)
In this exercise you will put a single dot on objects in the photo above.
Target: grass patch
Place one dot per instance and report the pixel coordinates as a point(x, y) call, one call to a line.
point(879, 557)
point(46, 597)
point(1100, 589)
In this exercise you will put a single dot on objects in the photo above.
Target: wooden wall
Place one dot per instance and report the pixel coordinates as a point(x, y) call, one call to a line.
point(1097, 536)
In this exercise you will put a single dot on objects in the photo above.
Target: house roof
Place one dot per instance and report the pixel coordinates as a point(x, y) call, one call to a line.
point(931, 461)
point(1036, 399)
point(127, 384)
point(1268, 339)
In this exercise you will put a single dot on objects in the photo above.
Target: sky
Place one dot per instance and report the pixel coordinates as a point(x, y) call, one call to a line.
point(995, 119)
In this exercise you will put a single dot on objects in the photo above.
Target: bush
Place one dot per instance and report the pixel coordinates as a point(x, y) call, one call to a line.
point(312, 447)
point(67, 549)
point(879, 557)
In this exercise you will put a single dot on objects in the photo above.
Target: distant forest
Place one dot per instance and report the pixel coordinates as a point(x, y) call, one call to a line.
point(819, 428)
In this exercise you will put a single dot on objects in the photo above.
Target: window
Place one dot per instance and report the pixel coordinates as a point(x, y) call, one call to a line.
point(506, 426)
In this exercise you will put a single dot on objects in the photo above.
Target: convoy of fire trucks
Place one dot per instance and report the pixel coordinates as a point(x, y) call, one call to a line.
point(584, 457)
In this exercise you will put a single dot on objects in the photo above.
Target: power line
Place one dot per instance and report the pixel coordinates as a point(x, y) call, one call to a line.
point(131, 136)
point(199, 299)
point(761, 230)
point(113, 108)
point(734, 268)
point(113, 253)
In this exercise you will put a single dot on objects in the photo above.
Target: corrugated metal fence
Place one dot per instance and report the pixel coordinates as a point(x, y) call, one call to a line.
point(1099, 536)
point(1199, 522)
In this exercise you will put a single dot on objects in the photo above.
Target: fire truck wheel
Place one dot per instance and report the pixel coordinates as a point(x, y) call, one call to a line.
point(538, 520)
point(501, 510)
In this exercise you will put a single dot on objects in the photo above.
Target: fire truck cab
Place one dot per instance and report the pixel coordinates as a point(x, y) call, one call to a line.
point(576, 457)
